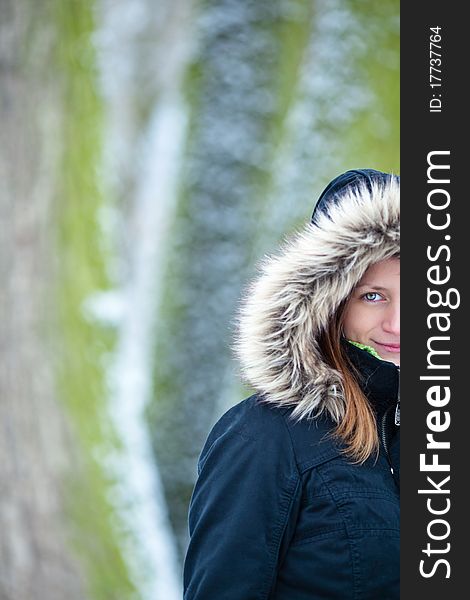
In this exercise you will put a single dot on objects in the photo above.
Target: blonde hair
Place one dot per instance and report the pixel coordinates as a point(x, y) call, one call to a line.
point(358, 428)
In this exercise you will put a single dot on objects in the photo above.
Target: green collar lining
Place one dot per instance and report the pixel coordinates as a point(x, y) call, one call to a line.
point(369, 349)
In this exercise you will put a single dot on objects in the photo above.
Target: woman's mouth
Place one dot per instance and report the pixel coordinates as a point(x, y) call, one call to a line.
point(392, 348)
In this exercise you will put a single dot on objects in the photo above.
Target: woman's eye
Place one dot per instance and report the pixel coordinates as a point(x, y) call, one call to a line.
point(372, 297)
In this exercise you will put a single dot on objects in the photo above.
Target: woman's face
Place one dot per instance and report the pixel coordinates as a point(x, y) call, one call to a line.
point(372, 314)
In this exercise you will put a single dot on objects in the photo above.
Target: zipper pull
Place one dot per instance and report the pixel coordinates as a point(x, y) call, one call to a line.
point(397, 407)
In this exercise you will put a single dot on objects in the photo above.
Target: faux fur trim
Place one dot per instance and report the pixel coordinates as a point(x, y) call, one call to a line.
point(298, 291)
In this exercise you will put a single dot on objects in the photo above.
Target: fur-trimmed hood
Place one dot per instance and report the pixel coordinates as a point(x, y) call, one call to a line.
point(299, 289)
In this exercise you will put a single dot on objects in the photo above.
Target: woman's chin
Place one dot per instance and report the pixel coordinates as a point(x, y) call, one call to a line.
point(387, 353)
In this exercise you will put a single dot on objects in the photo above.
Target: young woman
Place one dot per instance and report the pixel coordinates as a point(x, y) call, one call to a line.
point(298, 490)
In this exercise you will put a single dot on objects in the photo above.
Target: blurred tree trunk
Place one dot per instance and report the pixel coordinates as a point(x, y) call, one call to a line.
point(35, 444)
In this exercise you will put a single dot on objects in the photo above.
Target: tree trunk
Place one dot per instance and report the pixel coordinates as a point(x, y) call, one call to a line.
point(35, 445)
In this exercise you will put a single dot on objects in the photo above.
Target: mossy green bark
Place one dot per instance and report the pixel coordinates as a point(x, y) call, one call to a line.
point(80, 271)
point(374, 138)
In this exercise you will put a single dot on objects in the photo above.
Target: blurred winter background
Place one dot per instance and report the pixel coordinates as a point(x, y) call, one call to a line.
point(151, 152)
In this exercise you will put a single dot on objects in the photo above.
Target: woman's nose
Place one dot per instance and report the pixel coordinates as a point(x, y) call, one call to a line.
point(391, 323)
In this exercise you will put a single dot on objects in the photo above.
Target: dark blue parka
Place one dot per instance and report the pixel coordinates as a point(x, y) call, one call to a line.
point(278, 511)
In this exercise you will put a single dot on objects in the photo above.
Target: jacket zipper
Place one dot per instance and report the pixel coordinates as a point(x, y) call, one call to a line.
point(384, 438)
point(384, 423)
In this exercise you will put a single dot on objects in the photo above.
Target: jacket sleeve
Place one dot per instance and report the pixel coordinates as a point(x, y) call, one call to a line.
point(241, 504)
